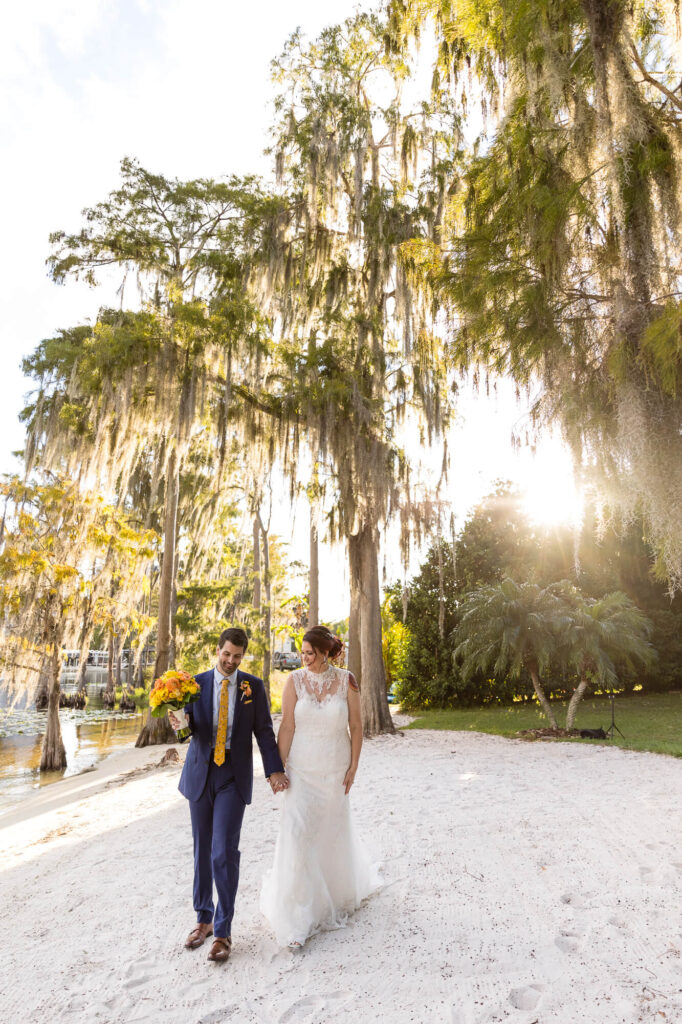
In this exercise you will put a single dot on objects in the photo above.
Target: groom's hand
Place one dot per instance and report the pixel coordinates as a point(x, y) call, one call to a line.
point(278, 781)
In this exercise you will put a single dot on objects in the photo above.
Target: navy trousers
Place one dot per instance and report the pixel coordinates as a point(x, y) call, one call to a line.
point(216, 826)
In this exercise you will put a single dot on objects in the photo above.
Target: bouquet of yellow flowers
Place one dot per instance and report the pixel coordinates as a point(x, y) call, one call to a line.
point(171, 692)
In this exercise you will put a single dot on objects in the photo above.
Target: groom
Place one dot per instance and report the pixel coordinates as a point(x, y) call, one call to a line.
point(217, 779)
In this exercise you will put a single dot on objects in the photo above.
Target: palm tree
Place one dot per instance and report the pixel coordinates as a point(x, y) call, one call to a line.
point(508, 628)
point(603, 634)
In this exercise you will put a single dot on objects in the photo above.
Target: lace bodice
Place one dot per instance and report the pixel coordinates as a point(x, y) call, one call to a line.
point(321, 739)
point(319, 686)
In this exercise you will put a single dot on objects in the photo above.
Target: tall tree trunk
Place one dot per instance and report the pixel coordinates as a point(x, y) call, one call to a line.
point(441, 585)
point(86, 640)
point(43, 687)
point(158, 730)
point(376, 715)
point(267, 609)
point(541, 696)
point(111, 658)
point(575, 701)
point(354, 651)
point(173, 653)
point(167, 579)
point(53, 754)
point(256, 565)
point(141, 657)
point(118, 647)
point(314, 582)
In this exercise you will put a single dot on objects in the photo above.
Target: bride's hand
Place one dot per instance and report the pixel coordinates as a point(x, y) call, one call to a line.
point(349, 779)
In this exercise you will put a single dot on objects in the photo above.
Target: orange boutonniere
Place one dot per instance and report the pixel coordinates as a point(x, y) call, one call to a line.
point(245, 687)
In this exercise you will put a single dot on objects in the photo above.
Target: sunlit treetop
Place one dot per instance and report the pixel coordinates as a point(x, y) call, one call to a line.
point(560, 259)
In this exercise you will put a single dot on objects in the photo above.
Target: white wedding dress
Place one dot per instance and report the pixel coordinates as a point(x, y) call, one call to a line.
point(321, 870)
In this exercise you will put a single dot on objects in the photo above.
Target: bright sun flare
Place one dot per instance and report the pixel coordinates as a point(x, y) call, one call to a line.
point(551, 497)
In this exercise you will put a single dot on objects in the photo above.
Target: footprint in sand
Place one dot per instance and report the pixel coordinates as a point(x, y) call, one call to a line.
point(301, 1009)
point(117, 1001)
point(134, 982)
point(135, 974)
point(573, 899)
point(218, 1016)
point(567, 942)
point(311, 1008)
point(526, 998)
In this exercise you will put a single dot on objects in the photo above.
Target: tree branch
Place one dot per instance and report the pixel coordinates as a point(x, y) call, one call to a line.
point(651, 80)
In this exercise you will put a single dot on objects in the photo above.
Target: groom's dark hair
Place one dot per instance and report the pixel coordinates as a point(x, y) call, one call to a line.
point(235, 635)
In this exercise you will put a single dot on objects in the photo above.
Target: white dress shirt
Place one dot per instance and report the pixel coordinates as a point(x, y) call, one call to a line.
point(231, 702)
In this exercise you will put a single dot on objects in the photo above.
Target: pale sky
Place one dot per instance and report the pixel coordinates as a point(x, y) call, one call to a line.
point(182, 85)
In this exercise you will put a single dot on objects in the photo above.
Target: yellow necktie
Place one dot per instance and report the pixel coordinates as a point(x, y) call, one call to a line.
point(221, 735)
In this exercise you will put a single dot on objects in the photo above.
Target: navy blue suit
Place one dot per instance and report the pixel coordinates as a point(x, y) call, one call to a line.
point(218, 794)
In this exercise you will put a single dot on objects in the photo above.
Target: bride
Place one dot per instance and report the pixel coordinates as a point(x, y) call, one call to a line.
point(321, 869)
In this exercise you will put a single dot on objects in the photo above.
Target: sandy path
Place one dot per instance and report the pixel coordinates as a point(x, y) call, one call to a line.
point(524, 883)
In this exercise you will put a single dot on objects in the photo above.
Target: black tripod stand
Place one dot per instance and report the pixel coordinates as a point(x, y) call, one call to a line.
point(613, 727)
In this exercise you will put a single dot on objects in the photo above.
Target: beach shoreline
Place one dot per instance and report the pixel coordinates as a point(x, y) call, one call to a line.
point(113, 767)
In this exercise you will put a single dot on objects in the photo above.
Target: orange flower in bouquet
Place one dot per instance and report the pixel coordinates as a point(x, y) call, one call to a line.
point(172, 692)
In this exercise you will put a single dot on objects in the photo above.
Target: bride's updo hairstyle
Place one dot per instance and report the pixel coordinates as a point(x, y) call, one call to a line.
point(323, 641)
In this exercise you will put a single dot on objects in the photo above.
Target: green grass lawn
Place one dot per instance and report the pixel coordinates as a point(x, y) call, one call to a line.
point(650, 721)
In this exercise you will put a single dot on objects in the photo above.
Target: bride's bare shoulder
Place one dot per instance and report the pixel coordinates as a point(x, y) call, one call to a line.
point(352, 681)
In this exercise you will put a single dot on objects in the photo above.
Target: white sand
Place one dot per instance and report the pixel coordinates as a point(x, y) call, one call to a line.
point(525, 882)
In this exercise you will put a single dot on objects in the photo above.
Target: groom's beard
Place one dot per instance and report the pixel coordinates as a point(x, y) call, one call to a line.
point(227, 666)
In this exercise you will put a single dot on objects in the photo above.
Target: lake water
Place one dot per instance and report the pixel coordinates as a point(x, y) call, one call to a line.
point(88, 735)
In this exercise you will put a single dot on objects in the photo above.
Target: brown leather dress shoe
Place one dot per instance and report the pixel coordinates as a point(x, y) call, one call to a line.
point(198, 935)
point(220, 950)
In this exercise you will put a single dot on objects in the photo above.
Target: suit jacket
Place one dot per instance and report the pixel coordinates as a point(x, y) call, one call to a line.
point(251, 718)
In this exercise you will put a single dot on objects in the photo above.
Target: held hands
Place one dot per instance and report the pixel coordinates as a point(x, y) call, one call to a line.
point(349, 779)
point(278, 781)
